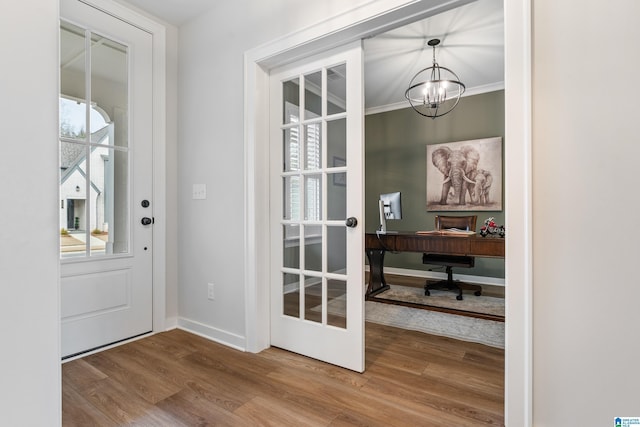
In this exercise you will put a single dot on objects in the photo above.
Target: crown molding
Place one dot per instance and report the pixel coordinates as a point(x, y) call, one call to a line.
point(477, 90)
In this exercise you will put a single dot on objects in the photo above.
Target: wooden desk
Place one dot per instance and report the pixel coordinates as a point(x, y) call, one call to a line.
point(376, 246)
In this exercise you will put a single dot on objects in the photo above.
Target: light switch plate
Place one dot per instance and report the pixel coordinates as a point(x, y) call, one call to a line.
point(199, 191)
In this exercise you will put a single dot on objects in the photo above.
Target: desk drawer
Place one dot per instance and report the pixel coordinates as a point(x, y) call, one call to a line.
point(488, 246)
point(455, 245)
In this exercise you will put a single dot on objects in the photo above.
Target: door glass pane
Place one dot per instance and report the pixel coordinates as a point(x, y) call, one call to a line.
point(313, 146)
point(337, 141)
point(72, 81)
point(73, 188)
point(291, 246)
point(109, 80)
point(313, 247)
point(313, 95)
point(291, 294)
point(110, 207)
point(337, 196)
point(337, 303)
point(94, 178)
point(291, 149)
point(337, 89)
point(291, 198)
point(291, 99)
point(313, 197)
point(337, 249)
point(313, 299)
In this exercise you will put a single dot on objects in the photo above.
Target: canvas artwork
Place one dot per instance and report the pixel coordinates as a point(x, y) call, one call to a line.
point(465, 175)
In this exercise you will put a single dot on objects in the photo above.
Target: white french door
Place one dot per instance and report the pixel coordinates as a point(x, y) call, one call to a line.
point(316, 193)
point(106, 211)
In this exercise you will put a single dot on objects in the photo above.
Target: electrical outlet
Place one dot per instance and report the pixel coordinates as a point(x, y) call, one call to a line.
point(199, 191)
point(211, 291)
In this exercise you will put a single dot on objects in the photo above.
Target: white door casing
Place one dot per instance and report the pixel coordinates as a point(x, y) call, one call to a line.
point(106, 293)
point(317, 152)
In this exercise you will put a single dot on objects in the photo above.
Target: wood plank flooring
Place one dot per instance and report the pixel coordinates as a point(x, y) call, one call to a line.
point(179, 379)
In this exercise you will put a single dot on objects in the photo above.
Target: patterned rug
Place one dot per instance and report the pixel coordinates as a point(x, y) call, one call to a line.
point(465, 328)
point(487, 332)
point(471, 304)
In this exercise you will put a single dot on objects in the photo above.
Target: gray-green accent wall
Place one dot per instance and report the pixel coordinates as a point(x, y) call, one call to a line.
point(396, 158)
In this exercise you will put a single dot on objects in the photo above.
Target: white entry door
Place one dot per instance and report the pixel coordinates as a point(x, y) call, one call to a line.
point(106, 210)
point(316, 193)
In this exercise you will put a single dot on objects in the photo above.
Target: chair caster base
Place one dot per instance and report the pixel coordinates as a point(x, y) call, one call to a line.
point(459, 297)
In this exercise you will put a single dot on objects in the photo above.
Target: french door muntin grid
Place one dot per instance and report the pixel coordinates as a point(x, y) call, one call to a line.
point(312, 175)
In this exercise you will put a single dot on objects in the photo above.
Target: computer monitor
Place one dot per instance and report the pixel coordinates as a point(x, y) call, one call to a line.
point(389, 207)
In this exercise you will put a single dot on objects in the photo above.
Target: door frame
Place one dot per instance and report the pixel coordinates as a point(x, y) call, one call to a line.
point(158, 250)
point(368, 20)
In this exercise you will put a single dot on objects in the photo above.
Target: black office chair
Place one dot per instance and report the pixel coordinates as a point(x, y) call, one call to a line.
point(450, 261)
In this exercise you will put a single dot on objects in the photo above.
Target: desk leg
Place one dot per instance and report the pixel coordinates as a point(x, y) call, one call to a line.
point(377, 283)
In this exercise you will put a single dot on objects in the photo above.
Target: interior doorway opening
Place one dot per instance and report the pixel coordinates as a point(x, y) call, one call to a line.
point(517, 176)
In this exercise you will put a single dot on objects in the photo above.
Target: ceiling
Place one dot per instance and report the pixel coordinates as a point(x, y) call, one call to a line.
point(472, 45)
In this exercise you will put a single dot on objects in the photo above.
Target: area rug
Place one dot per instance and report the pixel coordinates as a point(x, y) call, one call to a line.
point(491, 307)
point(487, 332)
point(465, 328)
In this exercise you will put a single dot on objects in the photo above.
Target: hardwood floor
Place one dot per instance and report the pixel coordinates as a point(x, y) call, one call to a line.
point(179, 379)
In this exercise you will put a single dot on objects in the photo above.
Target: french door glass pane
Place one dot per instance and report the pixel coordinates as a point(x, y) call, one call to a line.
point(337, 141)
point(337, 89)
point(291, 101)
point(313, 247)
point(291, 149)
point(313, 95)
point(337, 196)
point(313, 299)
point(291, 198)
point(291, 294)
point(337, 249)
point(313, 197)
point(291, 246)
point(337, 303)
point(313, 146)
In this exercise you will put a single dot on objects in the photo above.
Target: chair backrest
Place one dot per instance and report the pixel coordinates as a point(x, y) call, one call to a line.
point(462, 222)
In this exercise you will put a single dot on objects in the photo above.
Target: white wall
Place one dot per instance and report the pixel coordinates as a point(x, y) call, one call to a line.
point(211, 152)
point(29, 309)
point(586, 147)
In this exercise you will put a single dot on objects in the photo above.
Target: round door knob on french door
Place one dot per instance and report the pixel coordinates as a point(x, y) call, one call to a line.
point(146, 221)
point(351, 222)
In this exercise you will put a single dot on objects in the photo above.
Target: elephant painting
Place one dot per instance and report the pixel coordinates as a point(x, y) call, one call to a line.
point(456, 166)
point(464, 175)
point(479, 191)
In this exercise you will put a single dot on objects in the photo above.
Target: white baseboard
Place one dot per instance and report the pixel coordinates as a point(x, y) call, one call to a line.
point(170, 323)
point(481, 280)
point(222, 337)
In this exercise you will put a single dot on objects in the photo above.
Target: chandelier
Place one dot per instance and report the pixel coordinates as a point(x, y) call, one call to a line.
point(434, 91)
